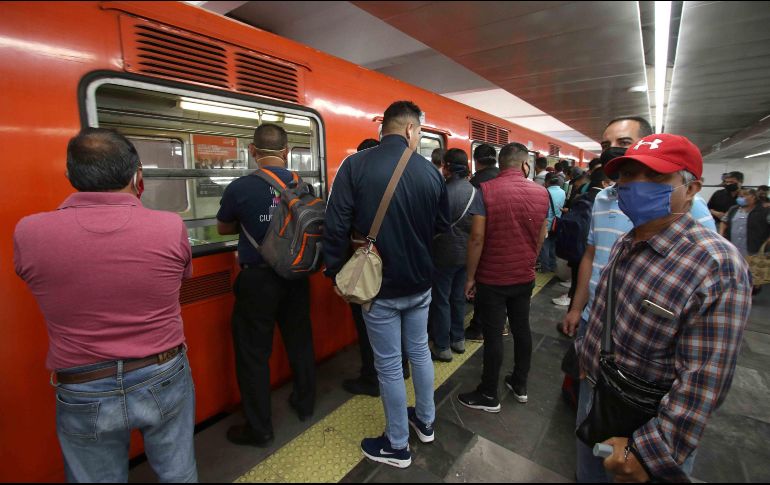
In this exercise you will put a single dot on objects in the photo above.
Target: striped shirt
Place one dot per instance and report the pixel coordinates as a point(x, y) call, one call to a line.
point(702, 280)
point(608, 223)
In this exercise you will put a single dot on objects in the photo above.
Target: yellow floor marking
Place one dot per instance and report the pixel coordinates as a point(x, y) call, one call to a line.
point(329, 449)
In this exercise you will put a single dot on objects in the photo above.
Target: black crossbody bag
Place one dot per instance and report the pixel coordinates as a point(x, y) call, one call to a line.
point(622, 401)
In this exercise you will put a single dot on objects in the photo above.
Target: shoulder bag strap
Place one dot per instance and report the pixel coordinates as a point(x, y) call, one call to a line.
point(248, 236)
point(608, 346)
point(388, 195)
point(467, 207)
point(553, 209)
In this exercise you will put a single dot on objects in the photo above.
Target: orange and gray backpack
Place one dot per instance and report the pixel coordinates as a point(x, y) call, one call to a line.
point(292, 244)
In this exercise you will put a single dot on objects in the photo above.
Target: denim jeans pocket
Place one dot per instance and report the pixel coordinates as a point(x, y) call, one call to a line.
point(170, 393)
point(76, 419)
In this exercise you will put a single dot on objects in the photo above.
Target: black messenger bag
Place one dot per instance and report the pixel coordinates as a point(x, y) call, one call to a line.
point(622, 401)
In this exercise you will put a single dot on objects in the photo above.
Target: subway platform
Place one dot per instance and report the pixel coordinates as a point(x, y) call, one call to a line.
point(532, 442)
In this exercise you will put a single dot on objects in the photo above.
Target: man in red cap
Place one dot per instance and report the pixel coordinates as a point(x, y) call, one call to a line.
point(682, 296)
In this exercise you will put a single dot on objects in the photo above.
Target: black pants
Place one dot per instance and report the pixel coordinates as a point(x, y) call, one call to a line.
point(261, 299)
point(494, 302)
point(367, 355)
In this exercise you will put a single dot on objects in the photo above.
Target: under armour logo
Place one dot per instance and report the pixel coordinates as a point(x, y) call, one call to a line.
point(653, 144)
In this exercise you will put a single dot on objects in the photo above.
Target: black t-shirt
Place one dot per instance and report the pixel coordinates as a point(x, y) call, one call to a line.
point(721, 201)
point(251, 201)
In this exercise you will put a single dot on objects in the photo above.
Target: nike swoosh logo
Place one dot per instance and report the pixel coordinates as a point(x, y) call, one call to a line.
point(383, 452)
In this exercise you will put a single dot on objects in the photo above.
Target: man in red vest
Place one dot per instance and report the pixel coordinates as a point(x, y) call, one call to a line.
point(509, 226)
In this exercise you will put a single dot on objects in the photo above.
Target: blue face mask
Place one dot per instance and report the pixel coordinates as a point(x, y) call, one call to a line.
point(643, 202)
point(741, 201)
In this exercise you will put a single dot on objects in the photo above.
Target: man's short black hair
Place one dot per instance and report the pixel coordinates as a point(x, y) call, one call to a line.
point(269, 137)
point(597, 177)
point(593, 163)
point(456, 161)
point(100, 160)
point(763, 187)
point(541, 163)
point(736, 175)
point(437, 156)
point(645, 129)
point(368, 143)
point(485, 155)
point(552, 179)
point(400, 113)
point(513, 154)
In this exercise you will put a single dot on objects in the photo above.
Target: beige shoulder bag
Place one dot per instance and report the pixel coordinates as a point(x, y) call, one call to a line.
point(359, 281)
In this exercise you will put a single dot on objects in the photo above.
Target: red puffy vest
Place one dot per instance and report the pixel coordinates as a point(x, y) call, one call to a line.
point(516, 208)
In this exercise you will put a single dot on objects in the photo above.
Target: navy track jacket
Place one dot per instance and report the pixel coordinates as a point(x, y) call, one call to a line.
point(419, 209)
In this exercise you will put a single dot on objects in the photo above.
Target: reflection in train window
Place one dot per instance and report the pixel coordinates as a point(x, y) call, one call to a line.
point(428, 143)
point(162, 153)
point(192, 146)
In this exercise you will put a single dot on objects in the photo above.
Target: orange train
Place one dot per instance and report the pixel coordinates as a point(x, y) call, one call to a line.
point(188, 87)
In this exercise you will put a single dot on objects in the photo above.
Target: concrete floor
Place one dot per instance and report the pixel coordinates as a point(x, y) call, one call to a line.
point(531, 442)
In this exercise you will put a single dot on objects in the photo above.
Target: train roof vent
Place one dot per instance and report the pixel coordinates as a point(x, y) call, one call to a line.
point(488, 133)
point(203, 287)
point(553, 150)
point(266, 76)
point(159, 50)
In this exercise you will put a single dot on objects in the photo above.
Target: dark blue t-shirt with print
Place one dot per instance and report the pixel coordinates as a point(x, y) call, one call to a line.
point(251, 201)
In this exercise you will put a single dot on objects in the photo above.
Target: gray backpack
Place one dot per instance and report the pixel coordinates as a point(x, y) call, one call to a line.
point(292, 244)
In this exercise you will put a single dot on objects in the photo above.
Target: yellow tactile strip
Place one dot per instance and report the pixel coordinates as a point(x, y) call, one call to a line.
point(329, 449)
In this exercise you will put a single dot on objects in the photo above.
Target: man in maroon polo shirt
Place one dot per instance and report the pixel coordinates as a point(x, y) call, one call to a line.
point(106, 273)
point(508, 229)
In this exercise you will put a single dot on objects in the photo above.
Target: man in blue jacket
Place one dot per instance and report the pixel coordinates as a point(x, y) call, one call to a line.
point(418, 210)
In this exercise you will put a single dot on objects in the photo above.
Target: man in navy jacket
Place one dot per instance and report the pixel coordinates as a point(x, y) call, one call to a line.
point(418, 210)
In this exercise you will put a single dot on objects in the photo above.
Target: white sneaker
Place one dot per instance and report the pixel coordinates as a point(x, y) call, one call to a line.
point(566, 284)
point(562, 300)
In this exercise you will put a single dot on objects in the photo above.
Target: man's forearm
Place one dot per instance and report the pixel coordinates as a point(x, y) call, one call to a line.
point(475, 247)
point(580, 299)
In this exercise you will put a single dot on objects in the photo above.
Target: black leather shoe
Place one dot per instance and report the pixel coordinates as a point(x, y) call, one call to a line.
point(244, 435)
point(361, 387)
point(474, 334)
point(303, 415)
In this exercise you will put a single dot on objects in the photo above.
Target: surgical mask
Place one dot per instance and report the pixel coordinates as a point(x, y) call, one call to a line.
point(138, 186)
point(741, 201)
point(610, 153)
point(643, 202)
point(731, 187)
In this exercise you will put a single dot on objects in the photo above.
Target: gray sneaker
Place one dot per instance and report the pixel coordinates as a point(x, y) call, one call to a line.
point(458, 347)
point(442, 356)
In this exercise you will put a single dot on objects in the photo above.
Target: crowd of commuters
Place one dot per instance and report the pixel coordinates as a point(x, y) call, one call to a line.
point(649, 243)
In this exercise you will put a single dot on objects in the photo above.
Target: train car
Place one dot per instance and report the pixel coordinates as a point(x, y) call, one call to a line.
point(188, 87)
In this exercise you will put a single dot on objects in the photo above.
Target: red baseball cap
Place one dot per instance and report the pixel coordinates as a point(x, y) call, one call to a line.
point(663, 153)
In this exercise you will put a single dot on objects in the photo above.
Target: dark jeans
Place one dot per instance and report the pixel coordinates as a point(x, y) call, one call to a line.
point(261, 299)
point(368, 372)
point(447, 308)
point(495, 302)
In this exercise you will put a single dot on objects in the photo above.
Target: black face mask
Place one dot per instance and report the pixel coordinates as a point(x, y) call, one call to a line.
point(610, 153)
point(731, 187)
point(525, 171)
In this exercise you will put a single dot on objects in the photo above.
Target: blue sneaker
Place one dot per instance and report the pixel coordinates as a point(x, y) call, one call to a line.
point(379, 450)
point(424, 431)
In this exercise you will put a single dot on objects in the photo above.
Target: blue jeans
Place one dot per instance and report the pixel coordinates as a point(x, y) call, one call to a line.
point(387, 323)
point(447, 310)
point(548, 255)
point(94, 422)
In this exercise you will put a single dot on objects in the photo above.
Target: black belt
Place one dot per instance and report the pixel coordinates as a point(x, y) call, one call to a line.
point(255, 265)
point(128, 366)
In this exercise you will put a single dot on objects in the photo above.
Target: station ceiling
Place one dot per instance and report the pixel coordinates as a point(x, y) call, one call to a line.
point(560, 68)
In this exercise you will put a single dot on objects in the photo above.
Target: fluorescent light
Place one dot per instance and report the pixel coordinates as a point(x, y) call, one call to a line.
point(758, 154)
point(218, 109)
point(638, 89)
point(297, 122)
point(662, 27)
point(274, 118)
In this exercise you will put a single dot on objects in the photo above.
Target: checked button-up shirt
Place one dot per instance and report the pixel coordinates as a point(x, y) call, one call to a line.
point(691, 343)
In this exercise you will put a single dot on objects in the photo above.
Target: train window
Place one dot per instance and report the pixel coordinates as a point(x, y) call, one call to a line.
point(428, 143)
point(193, 145)
point(474, 145)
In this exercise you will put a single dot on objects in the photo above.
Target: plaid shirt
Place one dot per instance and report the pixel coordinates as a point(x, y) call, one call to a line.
point(703, 280)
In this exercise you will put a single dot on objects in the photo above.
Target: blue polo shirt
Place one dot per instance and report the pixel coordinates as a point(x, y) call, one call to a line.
point(251, 202)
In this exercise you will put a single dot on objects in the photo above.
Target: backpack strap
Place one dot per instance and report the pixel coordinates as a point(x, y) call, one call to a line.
point(274, 180)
